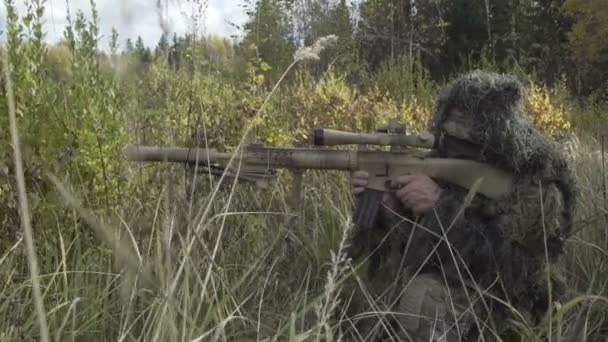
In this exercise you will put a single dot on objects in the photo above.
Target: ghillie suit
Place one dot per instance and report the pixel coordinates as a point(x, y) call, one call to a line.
point(498, 252)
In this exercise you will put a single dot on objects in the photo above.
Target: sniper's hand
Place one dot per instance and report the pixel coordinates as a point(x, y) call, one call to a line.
point(418, 193)
point(359, 181)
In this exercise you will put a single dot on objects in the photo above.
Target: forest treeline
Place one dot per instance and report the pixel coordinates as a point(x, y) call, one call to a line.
point(549, 39)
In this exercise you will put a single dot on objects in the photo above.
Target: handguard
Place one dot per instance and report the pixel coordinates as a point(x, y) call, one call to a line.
point(367, 208)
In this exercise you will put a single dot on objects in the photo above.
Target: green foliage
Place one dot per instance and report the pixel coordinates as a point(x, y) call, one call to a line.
point(142, 53)
point(93, 125)
point(405, 79)
point(539, 41)
point(589, 48)
point(162, 48)
point(323, 18)
point(389, 29)
point(591, 24)
point(68, 115)
point(267, 37)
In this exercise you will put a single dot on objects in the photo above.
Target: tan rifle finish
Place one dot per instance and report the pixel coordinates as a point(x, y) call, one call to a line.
point(255, 163)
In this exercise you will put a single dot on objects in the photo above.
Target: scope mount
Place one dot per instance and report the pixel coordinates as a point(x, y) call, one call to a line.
point(393, 127)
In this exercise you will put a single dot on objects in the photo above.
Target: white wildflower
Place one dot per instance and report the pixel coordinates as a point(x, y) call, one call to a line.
point(313, 52)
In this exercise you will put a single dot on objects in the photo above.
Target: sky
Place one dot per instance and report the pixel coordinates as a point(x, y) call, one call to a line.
point(144, 18)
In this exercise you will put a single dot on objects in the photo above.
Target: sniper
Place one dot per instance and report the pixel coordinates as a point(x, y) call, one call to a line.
point(441, 268)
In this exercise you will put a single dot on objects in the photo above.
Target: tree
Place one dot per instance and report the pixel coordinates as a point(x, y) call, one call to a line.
point(267, 36)
point(538, 38)
point(322, 18)
point(467, 34)
point(162, 48)
point(528, 33)
point(389, 29)
point(588, 45)
point(129, 46)
point(174, 56)
point(142, 53)
point(219, 51)
point(347, 54)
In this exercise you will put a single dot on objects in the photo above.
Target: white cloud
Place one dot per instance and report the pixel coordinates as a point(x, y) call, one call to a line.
point(144, 18)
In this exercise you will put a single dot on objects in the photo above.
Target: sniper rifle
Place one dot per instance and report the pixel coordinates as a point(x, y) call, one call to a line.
point(258, 163)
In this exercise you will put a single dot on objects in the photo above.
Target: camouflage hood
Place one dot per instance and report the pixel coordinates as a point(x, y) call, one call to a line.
point(493, 112)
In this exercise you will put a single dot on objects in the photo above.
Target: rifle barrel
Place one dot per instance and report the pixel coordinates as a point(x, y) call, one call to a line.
point(174, 154)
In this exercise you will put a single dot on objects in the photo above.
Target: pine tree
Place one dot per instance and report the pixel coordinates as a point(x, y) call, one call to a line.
point(389, 29)
point(468, 34)
point(142, 53)
point(129, 46)
point(162, 48)
point(588, 44)
point(328, 19)
point(267, 36)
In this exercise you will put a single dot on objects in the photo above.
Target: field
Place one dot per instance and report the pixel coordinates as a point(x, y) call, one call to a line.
point(98, 248)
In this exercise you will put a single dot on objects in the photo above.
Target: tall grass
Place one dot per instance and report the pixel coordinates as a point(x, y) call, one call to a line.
point(26, 224)
point(277, 272)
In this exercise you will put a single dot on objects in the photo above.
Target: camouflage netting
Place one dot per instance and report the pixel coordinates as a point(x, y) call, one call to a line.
point(497, 244)
point(508, 232)
point(494, 105)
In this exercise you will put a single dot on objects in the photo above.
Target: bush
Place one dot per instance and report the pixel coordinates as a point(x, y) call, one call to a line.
point(546, 114)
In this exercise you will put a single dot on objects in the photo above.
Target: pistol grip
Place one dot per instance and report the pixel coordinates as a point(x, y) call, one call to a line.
point(368, 206)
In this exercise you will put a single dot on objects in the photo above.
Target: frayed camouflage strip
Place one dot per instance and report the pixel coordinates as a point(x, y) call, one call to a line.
point(494, 103)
